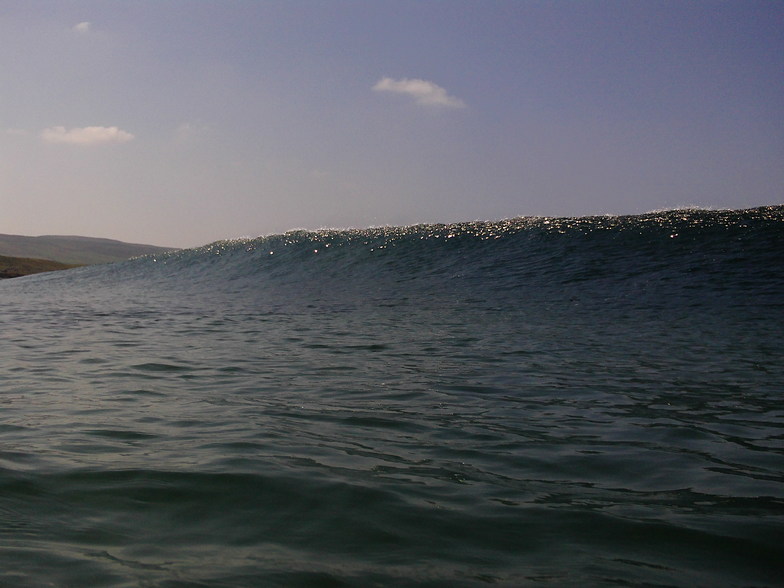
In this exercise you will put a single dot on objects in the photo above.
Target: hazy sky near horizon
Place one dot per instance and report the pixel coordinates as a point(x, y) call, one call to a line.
point(179, 123)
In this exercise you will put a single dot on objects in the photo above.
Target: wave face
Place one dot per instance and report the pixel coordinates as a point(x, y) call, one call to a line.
point(561, 401)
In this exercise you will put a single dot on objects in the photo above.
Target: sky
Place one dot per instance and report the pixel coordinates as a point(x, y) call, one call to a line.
point(179, 123)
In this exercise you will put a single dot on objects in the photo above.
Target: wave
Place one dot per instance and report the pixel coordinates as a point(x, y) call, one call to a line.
point(647, 257)
point(436, 404)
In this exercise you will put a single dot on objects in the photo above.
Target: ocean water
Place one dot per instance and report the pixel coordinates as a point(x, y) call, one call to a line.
point(531, 402)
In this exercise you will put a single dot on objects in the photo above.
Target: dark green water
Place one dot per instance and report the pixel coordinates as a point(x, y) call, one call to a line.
point(560, 402)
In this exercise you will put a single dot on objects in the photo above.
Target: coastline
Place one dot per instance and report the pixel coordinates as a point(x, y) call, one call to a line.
point(16, 267)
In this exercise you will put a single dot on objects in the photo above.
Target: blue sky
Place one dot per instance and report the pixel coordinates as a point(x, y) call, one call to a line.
point(180, 123)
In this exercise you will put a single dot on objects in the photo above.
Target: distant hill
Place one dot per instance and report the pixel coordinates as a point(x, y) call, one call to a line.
point(74, 250)
point(13, 267)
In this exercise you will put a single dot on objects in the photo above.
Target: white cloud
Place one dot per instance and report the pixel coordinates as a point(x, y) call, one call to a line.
point(82, 28)
point(85, 135)
point(424, 92)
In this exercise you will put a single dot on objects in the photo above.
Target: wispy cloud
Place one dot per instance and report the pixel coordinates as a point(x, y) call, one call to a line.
point(190, 130)
point(422, 91)
point(82, 28)
point(85, 135)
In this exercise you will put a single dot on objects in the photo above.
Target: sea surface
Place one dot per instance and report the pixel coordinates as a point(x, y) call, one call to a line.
point(587, 401)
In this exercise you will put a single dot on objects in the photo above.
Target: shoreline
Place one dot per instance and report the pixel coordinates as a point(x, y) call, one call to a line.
point(17, 267)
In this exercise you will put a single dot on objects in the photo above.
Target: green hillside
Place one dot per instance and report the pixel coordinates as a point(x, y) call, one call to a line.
point(73, 250)
point(13, 267)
